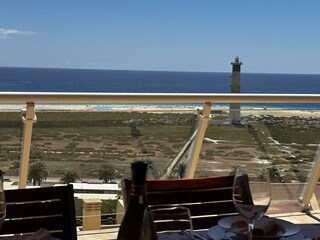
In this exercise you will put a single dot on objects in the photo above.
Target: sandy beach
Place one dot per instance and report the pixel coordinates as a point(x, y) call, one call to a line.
point(47, 107)
point(159, 109)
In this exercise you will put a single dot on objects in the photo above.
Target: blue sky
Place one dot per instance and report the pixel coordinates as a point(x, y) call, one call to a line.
point(274, 36)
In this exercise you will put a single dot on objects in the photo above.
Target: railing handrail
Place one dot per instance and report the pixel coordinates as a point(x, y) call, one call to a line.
point(58, 97)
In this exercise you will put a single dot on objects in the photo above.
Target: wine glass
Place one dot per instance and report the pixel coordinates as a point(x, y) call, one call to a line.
point(166, 222)
point(251, 194)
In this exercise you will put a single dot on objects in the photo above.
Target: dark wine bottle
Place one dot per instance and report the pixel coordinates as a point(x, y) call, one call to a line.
point(130, 227)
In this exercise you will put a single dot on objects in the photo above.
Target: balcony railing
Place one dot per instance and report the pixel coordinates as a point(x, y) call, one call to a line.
point(54, 97)
point(208, 101)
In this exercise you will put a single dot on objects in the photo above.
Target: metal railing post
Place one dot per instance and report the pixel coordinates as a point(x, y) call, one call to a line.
point(308, 192)
point(197, 145)
point(28, 118)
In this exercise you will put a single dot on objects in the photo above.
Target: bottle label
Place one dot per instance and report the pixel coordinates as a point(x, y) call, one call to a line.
point(140, 199)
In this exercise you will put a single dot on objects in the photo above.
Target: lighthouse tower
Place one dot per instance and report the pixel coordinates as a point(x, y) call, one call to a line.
point(234, 108)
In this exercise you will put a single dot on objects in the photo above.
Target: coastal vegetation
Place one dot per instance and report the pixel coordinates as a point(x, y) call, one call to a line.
point(75, 146)
point(87, 141)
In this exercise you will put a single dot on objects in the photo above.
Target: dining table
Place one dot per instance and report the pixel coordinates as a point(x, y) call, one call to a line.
point(308, 224)
point(305, 232)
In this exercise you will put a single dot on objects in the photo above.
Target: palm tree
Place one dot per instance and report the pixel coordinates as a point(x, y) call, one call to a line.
point(37, 173)
point(151, 171)
point(69, 176)
point(180, 170)
point(275, 174)
point(106, 173)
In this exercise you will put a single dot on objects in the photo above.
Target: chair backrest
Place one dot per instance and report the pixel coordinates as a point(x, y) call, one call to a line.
point(51, 208)
point(209, 199)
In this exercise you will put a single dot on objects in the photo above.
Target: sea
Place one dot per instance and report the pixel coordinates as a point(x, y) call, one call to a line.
point(14, 79)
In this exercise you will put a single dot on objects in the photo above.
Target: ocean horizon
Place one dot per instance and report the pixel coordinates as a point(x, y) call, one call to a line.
point(17, 79)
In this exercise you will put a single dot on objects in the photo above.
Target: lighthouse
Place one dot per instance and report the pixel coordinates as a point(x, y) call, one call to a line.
point(234, 108)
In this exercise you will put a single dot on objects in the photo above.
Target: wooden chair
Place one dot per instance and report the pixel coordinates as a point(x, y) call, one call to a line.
point(51, 208)
point(209, 199)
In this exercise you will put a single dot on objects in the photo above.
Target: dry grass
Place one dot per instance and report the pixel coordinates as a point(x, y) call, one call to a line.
point(67, 139)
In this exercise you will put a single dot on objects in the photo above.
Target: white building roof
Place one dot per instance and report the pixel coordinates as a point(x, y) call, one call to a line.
point(96, 186)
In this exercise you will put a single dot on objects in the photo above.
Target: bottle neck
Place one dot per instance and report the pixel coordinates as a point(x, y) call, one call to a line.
point(138, 190)
point(138, 183)
point(138, 194)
